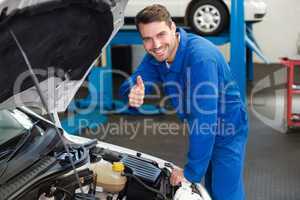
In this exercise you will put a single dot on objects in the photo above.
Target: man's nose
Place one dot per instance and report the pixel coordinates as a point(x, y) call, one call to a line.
point(156, 43)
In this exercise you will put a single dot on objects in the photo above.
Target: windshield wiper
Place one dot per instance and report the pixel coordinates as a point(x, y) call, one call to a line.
point(21, 143)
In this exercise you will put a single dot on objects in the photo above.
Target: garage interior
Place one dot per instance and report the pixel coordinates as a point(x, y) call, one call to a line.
point(260, 60)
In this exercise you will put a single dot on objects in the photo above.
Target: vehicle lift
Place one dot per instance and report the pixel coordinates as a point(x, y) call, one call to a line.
point(100, 97)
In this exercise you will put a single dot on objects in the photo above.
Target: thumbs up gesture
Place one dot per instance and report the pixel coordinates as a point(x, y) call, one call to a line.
point(137, 93)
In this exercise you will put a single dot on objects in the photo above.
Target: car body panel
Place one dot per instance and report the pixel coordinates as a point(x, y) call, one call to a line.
point(178, 8)
point(255, 10)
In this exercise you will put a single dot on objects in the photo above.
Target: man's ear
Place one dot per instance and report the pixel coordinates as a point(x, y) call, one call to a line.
point(173, 26)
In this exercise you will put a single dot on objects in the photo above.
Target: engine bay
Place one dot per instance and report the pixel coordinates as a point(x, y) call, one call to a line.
point(52, 177)
point(49, 174)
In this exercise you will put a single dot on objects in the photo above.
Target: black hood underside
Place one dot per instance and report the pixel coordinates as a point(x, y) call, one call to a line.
point(61, 37)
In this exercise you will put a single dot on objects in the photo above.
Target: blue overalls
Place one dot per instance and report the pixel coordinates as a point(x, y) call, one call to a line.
point(204, 94)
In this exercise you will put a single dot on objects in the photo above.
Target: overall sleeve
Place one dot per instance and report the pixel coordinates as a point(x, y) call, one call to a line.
point(149, 74)
point(202, 85)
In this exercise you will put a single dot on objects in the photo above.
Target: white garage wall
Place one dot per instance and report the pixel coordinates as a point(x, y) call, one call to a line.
point(277, 35)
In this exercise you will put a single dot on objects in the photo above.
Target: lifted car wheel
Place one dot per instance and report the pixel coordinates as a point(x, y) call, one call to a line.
point(208, 17)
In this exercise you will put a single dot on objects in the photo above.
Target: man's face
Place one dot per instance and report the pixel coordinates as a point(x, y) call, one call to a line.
point(159, 39)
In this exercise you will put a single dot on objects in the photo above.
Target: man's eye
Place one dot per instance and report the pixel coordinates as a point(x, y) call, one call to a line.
point(146, 39)
point(160, 35)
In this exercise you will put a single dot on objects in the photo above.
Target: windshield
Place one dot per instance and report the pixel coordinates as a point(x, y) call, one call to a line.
point(13, 123)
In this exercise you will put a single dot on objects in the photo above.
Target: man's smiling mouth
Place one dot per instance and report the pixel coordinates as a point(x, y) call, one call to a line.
point(159, 51)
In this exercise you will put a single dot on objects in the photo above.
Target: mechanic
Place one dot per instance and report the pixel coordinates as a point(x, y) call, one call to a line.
point(197, 78)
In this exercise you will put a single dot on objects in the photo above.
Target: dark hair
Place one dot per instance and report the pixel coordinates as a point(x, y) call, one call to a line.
point(153, 13)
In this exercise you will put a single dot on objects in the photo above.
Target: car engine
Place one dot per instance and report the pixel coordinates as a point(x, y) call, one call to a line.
point(51, 175)
point(41, 168)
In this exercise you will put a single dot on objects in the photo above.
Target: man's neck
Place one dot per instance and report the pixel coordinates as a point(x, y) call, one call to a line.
point(172, 56)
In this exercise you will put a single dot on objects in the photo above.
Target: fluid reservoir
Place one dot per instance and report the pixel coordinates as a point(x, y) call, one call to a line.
point(109, 176)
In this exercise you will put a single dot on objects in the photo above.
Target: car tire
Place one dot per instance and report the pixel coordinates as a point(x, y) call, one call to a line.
point(208, 17)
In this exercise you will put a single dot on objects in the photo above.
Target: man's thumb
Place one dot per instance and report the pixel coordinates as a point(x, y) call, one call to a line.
point(139, 82)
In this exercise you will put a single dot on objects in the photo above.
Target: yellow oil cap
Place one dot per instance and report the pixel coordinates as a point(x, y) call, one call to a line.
point(118, 167)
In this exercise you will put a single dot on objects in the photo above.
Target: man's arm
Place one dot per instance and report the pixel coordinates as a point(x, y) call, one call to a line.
point(147, 72)
point(202, 109)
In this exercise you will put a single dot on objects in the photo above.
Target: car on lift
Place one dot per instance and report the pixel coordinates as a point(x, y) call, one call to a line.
point(205, 17)
point(47, 48)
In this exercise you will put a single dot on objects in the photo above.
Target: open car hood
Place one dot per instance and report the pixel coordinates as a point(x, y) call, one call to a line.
point(61, 38)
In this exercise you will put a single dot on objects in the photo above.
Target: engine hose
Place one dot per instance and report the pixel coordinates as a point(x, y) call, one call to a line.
point(146, 186)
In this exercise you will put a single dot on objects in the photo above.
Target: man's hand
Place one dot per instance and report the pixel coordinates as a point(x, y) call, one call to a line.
point(177, 176)
point(137, 93)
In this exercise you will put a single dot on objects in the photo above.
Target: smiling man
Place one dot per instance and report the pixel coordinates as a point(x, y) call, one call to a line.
point(197, 78)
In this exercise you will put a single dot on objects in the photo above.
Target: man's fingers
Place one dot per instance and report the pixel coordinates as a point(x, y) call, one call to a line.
point(137, 90)
point(175, 180)
point(139, 82)
point(135, 104)
point(176, 177)
point(135, 100)
point(137, 97)
point(137, 93)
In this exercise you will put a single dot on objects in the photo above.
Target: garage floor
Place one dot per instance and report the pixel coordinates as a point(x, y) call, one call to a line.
point(272, 160)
